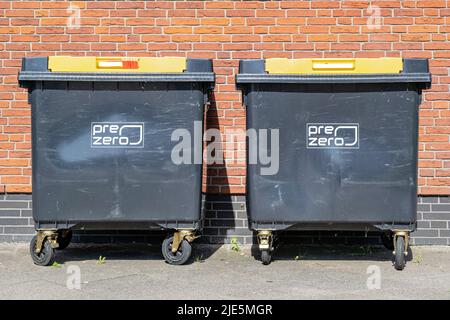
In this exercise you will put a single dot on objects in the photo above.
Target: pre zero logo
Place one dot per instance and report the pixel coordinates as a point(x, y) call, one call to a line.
point(332, 135)
point(117, 134)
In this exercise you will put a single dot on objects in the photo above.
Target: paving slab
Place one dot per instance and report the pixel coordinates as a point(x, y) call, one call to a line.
point(218, 272)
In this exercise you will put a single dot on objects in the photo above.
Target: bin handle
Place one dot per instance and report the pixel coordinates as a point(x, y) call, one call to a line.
point(116, 63)
point(338, 64)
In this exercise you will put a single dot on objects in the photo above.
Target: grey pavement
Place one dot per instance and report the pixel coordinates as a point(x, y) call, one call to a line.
point(299, 272)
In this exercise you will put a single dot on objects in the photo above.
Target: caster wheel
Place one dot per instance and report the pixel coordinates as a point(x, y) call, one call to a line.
point(388, 241)
point(400, 259)
point(64, 238)
point(265, 257)
point(181, 256)
point(47, 255)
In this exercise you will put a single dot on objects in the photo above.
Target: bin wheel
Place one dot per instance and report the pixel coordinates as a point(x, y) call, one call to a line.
point(181, 256)
point(400, 259)
point(266, 257)
point(64, 239)
point(47, 255)
point(388, 241)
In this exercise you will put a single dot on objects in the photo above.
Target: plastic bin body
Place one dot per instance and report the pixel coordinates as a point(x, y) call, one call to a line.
point(365, 179)
point(102, 147)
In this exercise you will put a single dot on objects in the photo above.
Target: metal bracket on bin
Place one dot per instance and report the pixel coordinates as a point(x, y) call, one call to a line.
point(404, 234)
point(181, 235)
point(42, 235)
point(265, 239)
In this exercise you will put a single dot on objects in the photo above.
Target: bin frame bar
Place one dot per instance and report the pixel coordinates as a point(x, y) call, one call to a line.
point(334, 66)
point(117, 64)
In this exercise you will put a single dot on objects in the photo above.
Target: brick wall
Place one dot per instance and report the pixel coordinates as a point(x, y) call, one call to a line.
point(226, 31)
point(226, 218)
point(16, 222)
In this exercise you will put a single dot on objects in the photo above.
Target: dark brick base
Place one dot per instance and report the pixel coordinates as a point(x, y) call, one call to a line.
point(226, 218)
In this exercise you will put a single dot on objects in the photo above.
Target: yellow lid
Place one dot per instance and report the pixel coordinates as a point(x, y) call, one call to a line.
point(333, 66)
point(117, 64)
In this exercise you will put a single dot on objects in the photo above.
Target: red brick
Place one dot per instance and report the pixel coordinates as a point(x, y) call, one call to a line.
point(260, 21)
point(14, 162)
point(53, 21)
point(130, 5)
point(10, 171)
point(219, 5)
point(431, 4)
point(346, 46)
point(245, 38)
point(185, 38)
point(286, 30)
point(18, 188)
point(422, 29)
point(15, 180)
point(18, 13)
point(430, 163)
point(216, 21)
point(151, 13)
point(415, 37)
point(240, 13)
point(181, 13)
point(270, 13)
point(24, 22)
point(237, 30)
point(208, 30)
point(291, 21)
point(211, 13)
point(268, 46)
point(155, 38)
point(174, 30)
point(249, 5)
point(354, 38)
point(301, 13)
point(190, 5)
point(321, 21)
point(101, 5)
point(26, 5)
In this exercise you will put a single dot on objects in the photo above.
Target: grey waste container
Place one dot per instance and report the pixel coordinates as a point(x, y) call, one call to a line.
point(348, 133)
point(102, 143)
